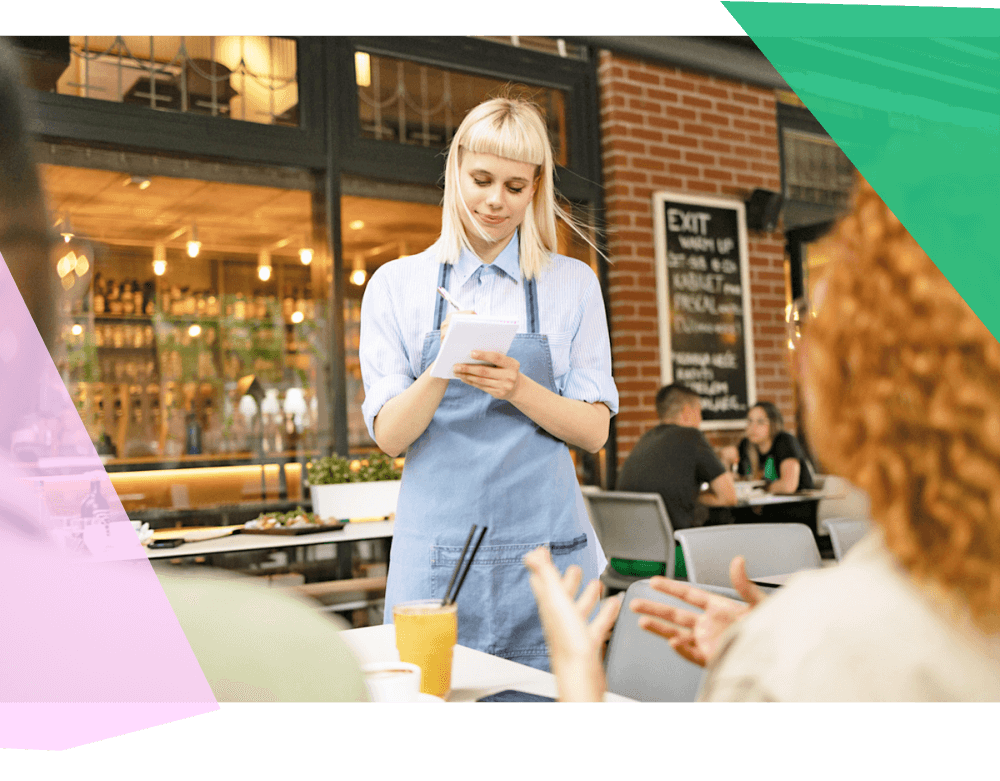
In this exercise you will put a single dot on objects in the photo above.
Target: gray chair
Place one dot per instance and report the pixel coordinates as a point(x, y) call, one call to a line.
point(844, 532)
point(642, 665)
point(631, 526)
point(768, 549)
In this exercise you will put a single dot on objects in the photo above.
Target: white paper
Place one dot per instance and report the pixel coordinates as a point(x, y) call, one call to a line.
point(472, 332)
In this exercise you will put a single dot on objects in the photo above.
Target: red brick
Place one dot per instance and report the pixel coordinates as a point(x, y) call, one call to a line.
point(715, 92)
point(671, 182)
point(692, 100)
point(681, 113)
point(747, 151)
point(649, 135)
point(768, 142)
point(621, 115)
point(699, 157)
point(731, 135)
point(699, 130)
point(730, 108)
point(766, 168)
point(662, 95)
point(714, 119)
point(713, 173)
point(622, 145)
point(733, 162)
point(682, 141)
point(684, 85)
point(665, 151)
point(702, 187)
point(632, 176)
point(766, 116)
point(716, 146)
point(648, 106)
point(668, 124)
point(683, 170)
point(742, 124)
point(642, 76)
point(743, 97)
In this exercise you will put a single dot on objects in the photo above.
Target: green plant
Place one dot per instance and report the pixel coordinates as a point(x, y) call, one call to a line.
point(378, 467)
point(330, 470)
point(333, 470)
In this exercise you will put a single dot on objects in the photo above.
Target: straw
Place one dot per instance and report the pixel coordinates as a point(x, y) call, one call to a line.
point(468, 566)
point(458, 565)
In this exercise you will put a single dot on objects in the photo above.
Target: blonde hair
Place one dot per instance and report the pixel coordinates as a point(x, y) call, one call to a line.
point(904, 384)
point(512, 128)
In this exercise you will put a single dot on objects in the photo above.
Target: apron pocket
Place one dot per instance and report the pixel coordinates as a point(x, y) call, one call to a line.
point(497, 612)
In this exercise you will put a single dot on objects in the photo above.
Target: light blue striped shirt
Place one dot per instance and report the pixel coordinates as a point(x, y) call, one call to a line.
point(397, 312)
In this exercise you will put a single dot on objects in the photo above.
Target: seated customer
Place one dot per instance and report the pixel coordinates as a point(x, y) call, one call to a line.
point(674, 460)
point(901, 391)
point(770, 453)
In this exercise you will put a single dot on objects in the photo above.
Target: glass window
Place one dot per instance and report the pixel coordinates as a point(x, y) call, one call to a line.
point(246, 77)
point(178, 292)
point(374, 231)
point(816, 170)
point(410, 103)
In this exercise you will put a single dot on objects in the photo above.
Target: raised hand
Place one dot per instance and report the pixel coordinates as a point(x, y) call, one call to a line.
point(574, 645)
point(696, 635)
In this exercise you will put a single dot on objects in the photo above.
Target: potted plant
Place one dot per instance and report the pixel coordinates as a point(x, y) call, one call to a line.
point(343, 489)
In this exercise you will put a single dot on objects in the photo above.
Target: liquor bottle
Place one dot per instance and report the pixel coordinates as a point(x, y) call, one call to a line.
point(98, 294)
point(95, 507)
point(138, 297)
point(192, 444)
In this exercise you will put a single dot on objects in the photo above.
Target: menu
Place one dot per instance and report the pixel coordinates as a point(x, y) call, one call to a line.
point(703, 302)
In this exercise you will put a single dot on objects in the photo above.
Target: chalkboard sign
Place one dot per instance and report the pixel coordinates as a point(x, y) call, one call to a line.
point(703, 298)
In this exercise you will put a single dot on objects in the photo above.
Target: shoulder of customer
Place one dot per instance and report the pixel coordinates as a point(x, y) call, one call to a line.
point(257, 644)
point(876, 638)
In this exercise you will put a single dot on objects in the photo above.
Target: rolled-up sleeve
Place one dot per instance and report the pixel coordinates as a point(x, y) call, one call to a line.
point(385, 366)
point(589, 377)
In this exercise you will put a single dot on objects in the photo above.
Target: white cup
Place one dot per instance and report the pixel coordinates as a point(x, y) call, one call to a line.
point(392, 681)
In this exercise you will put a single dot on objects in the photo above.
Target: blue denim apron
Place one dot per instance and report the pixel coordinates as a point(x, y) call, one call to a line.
point(482, 461)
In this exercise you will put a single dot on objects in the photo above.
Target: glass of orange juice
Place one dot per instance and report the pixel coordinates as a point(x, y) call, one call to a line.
point(426, 633)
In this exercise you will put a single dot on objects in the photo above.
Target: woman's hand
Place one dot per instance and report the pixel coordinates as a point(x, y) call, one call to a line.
point(574, 645)
point(695, 636)
point(447, 320)
point(499, 380)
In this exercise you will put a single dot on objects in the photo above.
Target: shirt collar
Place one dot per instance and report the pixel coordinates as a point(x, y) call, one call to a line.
point(508, 261)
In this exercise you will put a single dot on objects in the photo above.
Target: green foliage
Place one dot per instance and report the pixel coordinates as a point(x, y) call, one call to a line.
point(333, 470)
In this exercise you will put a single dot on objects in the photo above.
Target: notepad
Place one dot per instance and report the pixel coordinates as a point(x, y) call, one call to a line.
point(472, 332)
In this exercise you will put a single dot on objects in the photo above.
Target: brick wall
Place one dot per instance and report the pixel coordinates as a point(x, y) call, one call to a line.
point(663, 128)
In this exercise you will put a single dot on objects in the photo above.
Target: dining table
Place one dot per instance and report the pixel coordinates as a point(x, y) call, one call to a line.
point(474, 674)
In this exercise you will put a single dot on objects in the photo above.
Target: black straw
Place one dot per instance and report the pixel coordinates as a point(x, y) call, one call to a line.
point(468, 565)
point(458, 565)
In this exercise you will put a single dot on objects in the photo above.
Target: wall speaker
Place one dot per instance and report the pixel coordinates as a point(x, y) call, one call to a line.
point(763, 208)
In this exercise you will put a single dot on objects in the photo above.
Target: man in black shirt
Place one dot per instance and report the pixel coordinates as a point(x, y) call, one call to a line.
point(674, 460)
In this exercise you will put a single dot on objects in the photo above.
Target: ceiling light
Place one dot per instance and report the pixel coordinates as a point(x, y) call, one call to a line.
point(159, 259)
point(194, 330)
point(77, 329)
point(193, 245)
point(67, 228)
point(356, 225)
point(359, 274)
point(306, 256)
point(264, 265)
point(297, 316)
point(142, 182)
point(363, 69)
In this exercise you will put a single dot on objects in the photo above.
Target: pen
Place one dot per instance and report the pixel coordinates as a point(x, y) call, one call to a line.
point(447, 297)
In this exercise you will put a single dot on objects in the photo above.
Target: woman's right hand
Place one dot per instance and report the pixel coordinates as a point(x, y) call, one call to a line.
point(447, 320)
point(695, 636)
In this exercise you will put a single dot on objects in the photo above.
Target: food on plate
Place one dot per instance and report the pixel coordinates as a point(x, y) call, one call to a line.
point(291, 520)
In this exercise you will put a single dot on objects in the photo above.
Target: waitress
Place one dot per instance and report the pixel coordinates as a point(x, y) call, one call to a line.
point(490, 448)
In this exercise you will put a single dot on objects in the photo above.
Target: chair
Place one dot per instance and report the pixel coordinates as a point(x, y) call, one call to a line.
point(843, 500)
point(844, 532)
point(768, 549)
point(631, 526)
point(642, 665)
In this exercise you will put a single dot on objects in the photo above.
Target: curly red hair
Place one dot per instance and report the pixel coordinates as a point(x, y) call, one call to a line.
point(904, 390)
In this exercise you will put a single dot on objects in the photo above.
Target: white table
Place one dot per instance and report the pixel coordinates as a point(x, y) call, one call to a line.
point(235, 543)
point(474, 674)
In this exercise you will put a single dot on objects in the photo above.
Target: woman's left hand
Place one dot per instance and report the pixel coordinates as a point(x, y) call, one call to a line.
point(499, 380)
point(574, 645)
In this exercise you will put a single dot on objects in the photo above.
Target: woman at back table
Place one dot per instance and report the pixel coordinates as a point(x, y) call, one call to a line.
point(491, 447)
point(770, 453)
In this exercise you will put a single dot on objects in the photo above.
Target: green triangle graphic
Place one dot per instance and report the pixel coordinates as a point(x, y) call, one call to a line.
point(912, 97)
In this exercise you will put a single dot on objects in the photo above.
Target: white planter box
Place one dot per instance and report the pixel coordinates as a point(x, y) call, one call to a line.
point(355, 500)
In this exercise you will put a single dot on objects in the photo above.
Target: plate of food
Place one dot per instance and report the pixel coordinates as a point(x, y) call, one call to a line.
point(296, 521)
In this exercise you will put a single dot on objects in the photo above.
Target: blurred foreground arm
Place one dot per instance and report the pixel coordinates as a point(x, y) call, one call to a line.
point(574, 646)
point(695, 636)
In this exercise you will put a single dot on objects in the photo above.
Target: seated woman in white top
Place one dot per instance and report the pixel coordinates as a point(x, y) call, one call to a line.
point(901, 393)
